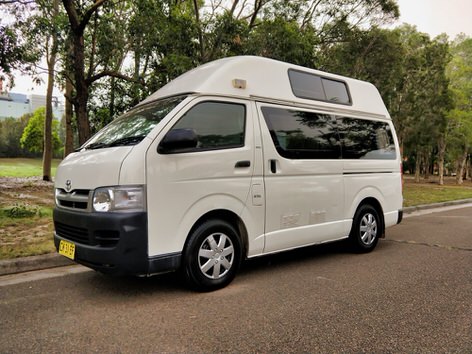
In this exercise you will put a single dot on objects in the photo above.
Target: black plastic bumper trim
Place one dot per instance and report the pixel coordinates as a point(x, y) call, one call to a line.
point(400, 216)
point(126, 253)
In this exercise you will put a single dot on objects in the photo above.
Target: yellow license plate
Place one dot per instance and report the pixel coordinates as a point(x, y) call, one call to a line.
point(67, 249)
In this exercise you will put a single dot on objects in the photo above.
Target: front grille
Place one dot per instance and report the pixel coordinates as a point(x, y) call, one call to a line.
point(77, 199)
point(73, 233)
point(107, 238)
point(102, 238)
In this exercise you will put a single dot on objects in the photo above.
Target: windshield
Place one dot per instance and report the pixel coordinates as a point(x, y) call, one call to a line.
point(133, 126)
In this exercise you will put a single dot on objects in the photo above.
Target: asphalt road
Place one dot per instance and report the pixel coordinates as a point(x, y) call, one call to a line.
point(412, 294)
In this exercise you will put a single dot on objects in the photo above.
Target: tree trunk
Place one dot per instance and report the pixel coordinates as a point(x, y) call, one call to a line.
point(47, 147)
point(78, 20)
point(469, 167)
point(69, 143)
point(418, 167)
point(426, 166)
point(112, 98)
point(81, 89)
point(461, 166)
point(441, 155)
point(51, 60)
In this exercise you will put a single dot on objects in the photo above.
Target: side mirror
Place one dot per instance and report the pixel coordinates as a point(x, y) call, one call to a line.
point(178, 140)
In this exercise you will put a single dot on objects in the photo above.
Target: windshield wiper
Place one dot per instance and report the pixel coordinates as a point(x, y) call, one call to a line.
point(93, 146)
point(129, 140)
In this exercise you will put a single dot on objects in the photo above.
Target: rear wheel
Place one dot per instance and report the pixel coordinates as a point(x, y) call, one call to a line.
point(366, 229)
point(212, 256)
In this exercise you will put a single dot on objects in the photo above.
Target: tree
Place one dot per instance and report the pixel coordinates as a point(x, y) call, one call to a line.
point(16, 53)
point(374, 55)
point(460, 118)
point(78, 20)
point(32, 138)
point(102, 48)
point(51, 49)
point(281, 40)
point(11, 130)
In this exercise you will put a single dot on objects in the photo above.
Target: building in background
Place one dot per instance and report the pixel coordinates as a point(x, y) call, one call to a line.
point(17, 104)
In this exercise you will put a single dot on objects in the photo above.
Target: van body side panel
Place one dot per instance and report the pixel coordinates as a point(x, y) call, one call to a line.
point(304, 198)
point(182, 187)
point(374, 178)
point(254, 212)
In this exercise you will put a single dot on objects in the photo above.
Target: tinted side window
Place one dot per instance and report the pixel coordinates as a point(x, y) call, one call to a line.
point(218, 125)
point(314, 87)
point(336, 91)
point(302, 135)
point(306, 85)
point(365, 139)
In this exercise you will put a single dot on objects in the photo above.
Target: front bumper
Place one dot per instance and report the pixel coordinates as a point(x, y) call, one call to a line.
point(112, 243)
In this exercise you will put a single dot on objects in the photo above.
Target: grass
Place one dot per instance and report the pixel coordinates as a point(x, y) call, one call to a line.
point(428, 193)
point(24, 167)
point(25, 230)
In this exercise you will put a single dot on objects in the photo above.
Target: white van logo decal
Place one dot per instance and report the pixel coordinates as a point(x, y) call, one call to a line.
point(68, 185)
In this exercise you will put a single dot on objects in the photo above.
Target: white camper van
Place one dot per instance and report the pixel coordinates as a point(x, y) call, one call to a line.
point(238, 158)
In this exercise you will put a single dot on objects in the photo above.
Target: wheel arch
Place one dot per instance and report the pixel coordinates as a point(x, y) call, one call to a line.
point(373, 202)
point(229, 216)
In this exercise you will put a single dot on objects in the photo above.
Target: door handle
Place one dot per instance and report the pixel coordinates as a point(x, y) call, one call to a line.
point(273, 166)
point(242, 164)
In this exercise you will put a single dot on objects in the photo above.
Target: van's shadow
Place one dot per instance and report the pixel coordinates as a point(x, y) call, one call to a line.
point(132, 287)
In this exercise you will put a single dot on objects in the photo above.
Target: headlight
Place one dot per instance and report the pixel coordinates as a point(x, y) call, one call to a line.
point(119, 199)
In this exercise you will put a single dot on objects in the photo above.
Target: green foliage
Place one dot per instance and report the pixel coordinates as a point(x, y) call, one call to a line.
point(11, 130)
point(10, 52)
point(281, 40)
point(374, 55)
point(32, 138)
point(22, 211)
point(15, 53)
point(460, 75)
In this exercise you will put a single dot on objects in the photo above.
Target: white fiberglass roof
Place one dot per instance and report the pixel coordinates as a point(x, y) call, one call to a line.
point(265, 78)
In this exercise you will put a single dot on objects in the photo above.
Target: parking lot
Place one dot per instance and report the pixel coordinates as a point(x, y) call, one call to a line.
point(412, 294)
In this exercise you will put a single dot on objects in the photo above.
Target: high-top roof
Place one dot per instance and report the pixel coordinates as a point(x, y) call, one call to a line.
point(266, 78)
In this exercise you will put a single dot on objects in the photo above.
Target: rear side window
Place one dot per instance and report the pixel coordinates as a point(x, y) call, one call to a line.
point(365, 139)
point(302, 135)
point(218, 125)
point(314, 87)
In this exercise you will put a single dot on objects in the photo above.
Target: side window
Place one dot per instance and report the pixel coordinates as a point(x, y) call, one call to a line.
point(336, 91)
point(314, 87)
point(301, 134)
point(365, 139)
point(306, 85)
point(218, 125)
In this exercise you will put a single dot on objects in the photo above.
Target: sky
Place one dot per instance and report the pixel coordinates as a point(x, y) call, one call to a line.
point(430, 16)
point(438, 16)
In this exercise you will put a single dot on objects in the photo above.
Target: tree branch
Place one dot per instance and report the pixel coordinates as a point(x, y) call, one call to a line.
point(21, 2)
point(110, 73)
point(72, 14)
point(199, 28)
point(88, 14)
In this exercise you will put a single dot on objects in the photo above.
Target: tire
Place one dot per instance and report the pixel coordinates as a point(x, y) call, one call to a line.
point(366, 229)
point(212, 256)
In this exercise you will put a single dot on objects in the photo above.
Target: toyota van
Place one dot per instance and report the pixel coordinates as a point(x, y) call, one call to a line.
point(238, 158)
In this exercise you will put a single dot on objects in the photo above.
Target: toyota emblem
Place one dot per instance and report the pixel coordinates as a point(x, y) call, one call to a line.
point(68, 185)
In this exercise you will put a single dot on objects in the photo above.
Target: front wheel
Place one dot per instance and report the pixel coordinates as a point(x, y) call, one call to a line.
point(212, 256)
point(366, 229)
